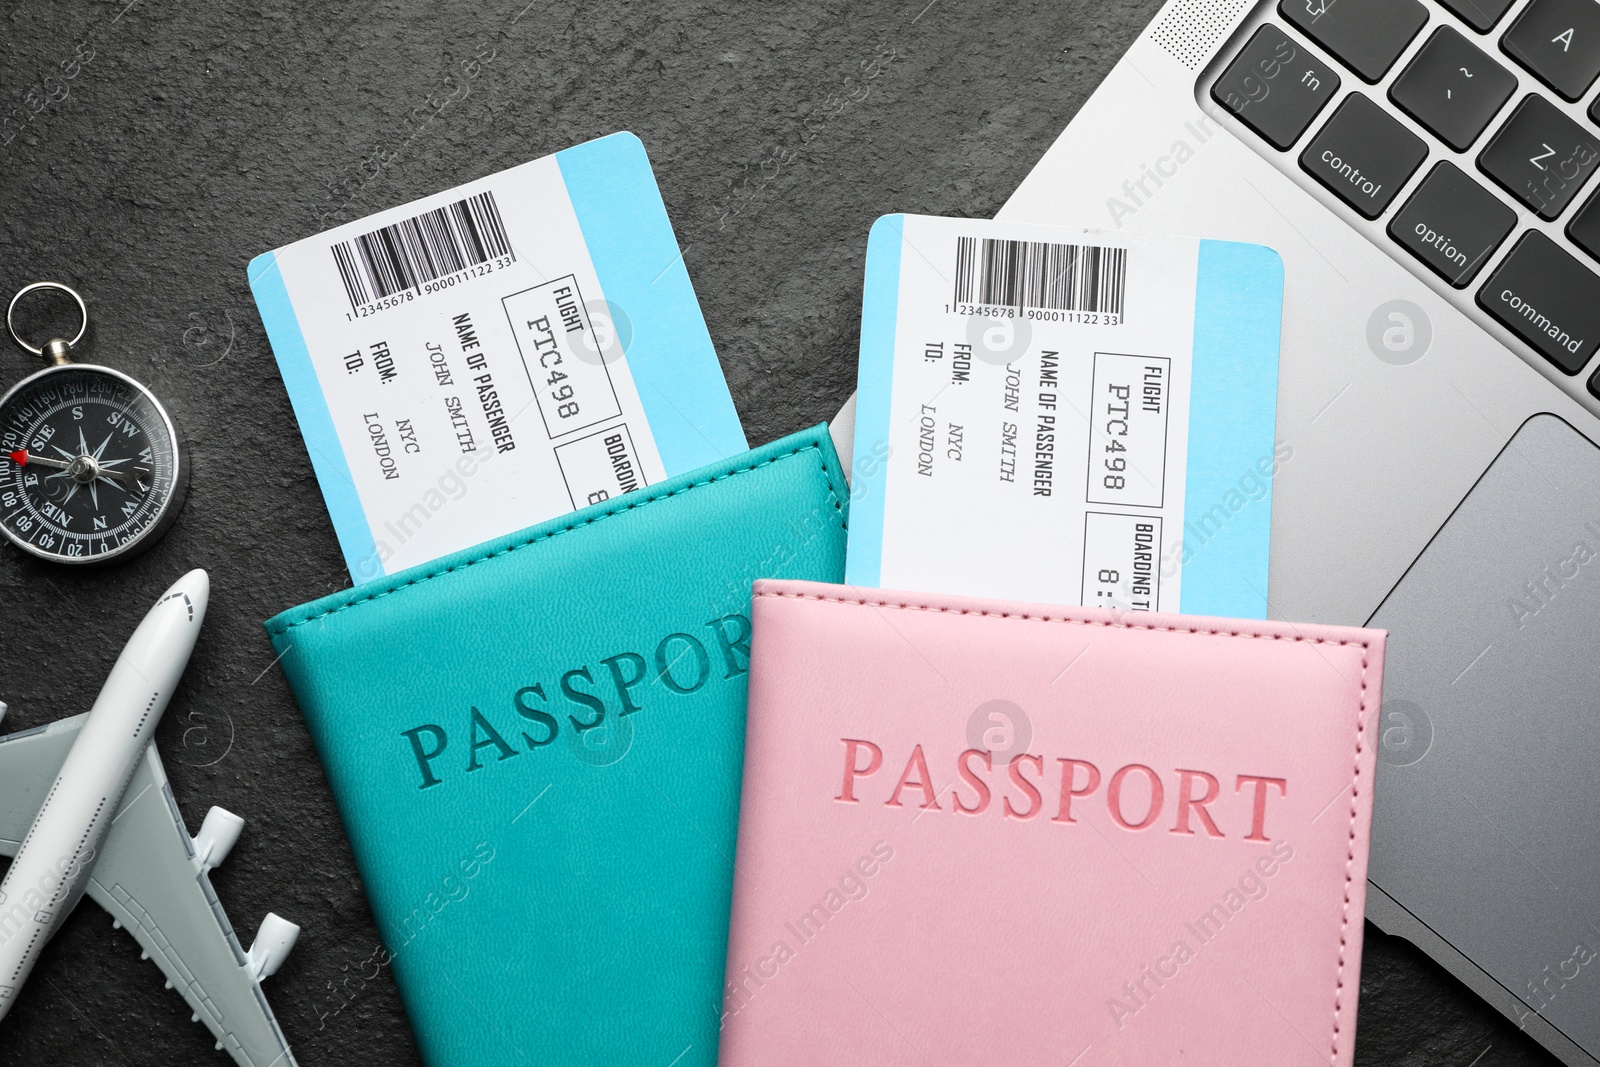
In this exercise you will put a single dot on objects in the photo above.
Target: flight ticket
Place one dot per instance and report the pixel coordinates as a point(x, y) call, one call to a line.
point(495, 355)
point(1067, 416)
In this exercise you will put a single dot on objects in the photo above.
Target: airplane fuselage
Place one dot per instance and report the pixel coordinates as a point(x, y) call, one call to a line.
point(52, 867)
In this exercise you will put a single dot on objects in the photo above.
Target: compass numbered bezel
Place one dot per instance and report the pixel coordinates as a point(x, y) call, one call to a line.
point(170, 507)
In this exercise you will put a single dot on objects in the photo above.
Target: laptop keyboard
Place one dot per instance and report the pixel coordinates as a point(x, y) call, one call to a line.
point(1366, 35)
point(1477, 104)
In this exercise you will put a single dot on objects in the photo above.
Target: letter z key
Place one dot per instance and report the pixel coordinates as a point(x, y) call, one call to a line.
point(1540, 156)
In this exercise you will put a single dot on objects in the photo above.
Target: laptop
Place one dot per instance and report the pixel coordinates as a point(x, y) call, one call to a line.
point(1426, 168)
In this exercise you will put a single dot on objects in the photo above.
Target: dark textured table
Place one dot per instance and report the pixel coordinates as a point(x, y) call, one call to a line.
point(149, 150)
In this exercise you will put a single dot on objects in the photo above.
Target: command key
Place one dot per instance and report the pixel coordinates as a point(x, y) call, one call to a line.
point(1547, 298)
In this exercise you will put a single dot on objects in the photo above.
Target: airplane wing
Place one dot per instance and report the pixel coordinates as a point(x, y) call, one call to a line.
point(29, 763)
point(149, 877)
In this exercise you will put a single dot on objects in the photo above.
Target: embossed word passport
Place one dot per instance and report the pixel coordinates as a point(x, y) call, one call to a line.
point(495, 355)
point(980, 832)
point(568, 701)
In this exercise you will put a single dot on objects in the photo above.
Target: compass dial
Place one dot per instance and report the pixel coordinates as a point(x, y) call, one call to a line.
point(91, 466)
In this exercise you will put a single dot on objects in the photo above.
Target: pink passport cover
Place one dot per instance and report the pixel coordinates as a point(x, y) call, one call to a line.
point(875, 923)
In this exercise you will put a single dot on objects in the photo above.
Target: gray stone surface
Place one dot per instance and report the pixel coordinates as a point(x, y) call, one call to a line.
point(164, 143)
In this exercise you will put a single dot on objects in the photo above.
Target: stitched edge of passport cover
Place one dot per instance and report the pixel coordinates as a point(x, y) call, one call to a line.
point(1203, 626)
point(322, 715)
point(784, 448)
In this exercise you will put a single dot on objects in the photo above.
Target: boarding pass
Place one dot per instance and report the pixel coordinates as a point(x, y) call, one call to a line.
point(1068, 416)
point(496, 355)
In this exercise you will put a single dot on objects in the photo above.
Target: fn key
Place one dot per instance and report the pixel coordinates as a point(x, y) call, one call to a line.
point(1275, 86)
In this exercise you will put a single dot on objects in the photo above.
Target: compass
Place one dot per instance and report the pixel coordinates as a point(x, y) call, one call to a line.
point(92, 468)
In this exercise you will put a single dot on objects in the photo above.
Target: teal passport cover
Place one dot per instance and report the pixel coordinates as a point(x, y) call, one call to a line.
point(536, 748)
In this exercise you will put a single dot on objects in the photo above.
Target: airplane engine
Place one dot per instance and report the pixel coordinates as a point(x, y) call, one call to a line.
point(272, 945)
point(217, 836)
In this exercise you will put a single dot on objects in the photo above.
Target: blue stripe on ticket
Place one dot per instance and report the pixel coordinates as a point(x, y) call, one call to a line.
point(880, 306)
point(641, 271)
point(1233, 405)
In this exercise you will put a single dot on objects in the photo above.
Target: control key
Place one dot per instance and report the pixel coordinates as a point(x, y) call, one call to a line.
point(1363, 155)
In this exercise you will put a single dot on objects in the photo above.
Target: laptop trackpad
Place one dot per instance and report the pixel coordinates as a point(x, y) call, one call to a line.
point(1486, 821)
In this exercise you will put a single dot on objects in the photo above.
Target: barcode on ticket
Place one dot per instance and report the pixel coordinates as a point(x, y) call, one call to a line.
point(1039, 274)
point(415, 251)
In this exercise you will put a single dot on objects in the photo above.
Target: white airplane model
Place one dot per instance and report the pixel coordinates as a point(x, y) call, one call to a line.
point(85, 808)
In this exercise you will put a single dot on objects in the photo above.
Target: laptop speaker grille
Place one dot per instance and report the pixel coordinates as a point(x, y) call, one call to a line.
point(1191, 28)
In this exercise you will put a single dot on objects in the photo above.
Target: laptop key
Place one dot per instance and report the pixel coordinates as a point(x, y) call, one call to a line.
point(1547, 298)
point(1541, 156)
point(1452, 224)
point(1363, 155)
point(1453, 88)
point(1481, 15)
point(1365, 35)
point(1584, 229)
point(1559, 41)
point(1275, 86)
